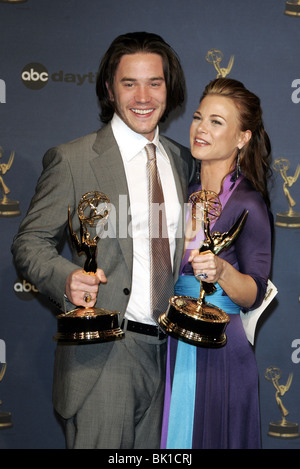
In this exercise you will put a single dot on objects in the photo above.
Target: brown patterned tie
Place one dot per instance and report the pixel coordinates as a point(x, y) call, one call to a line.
point(161, 277)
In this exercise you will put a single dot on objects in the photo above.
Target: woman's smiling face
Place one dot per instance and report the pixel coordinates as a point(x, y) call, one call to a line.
point(215, 133)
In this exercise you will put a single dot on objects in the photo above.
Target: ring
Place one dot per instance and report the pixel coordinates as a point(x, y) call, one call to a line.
point(202, 276)
point(87, 297)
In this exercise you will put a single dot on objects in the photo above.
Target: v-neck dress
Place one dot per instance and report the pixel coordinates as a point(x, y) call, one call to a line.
point(211, 396)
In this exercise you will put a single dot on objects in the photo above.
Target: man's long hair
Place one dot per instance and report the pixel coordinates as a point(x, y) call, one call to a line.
point(133, 43)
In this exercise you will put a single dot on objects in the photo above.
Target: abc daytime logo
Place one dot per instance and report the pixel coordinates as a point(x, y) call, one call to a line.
point(35, 76)
point(24, 290)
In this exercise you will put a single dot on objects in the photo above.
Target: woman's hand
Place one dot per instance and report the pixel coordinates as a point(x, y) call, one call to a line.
point(240, 288)
point(206, 265)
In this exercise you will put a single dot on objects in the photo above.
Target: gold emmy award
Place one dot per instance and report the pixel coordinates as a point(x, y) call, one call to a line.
point(291, 218)
point(215, 57)
point(8, 207)
point(5, 417)
point(88, 325)
point(292, 8)
point(194, 320)
point(281, 428)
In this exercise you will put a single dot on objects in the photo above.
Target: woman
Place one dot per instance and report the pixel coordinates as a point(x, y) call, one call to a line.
point(212, 393)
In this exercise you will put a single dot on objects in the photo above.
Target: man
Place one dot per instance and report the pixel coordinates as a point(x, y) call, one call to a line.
point(110, 394)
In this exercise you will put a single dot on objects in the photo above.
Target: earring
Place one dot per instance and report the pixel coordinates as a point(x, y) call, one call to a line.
point(237, 171)
point(198, 172)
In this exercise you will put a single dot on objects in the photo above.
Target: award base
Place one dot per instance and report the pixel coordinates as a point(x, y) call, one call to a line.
point(202, 325)
point(9, 208)
point(289, 219)
point(284, 429)
point(5, 420)
point(88, 325)
point(292, 8)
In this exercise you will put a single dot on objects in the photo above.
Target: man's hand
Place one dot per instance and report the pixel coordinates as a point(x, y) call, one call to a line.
point(82, 287)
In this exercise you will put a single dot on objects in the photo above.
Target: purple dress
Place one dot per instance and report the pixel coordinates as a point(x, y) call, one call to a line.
point(211, 398)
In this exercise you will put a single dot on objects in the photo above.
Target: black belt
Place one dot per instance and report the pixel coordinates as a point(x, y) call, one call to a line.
point(146, 329)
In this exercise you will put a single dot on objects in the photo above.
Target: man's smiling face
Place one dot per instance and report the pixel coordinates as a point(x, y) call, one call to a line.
point(139, 92)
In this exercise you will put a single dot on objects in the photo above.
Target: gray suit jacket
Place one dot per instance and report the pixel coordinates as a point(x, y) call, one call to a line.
point(70, 170)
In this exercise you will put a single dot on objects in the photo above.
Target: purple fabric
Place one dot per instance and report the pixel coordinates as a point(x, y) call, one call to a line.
point(227, 404)
point(185, 269)
point(251, 251)
point(167, 401)
point(226, 416)
point(227, 408)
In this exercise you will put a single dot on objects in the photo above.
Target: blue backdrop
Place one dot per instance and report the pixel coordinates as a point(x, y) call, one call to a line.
point(49, 55)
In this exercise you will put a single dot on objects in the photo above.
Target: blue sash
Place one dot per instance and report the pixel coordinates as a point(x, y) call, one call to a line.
point(182, 405)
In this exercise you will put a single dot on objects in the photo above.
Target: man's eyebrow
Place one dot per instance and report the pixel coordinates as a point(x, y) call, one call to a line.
point(128, 79)
point(136, 79)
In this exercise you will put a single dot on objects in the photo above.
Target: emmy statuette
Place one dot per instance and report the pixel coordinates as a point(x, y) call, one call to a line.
point(290, 218)
point(282, 428)
point(292, 8)
point(89, 325)
point(8, 207)
point(215, 57)
point(194, 320)
point(5, 417)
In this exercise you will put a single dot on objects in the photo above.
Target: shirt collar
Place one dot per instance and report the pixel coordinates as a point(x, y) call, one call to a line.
point(131, 143)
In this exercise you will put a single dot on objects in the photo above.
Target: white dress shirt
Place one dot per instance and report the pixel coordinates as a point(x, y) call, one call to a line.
point(132, 148)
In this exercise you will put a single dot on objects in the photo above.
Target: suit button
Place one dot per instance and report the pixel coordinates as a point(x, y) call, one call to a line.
point(126, 291)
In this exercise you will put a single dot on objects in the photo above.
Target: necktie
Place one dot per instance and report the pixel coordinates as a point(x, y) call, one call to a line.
point(161, 277)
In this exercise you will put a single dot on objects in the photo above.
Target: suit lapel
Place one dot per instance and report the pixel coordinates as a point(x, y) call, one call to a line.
point(173, 152)
point(174, 155)
point(109, 171)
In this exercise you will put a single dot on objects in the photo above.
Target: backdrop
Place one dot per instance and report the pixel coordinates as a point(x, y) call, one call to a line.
point(49, 55)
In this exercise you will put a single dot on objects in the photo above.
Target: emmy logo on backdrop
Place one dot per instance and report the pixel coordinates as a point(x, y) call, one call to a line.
point(281, 428)
point(193, 320)
point(291, 218)
point(89, 325)
point(215, 57)
point(292, 8)
point(8, 207)
point(5, 417)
